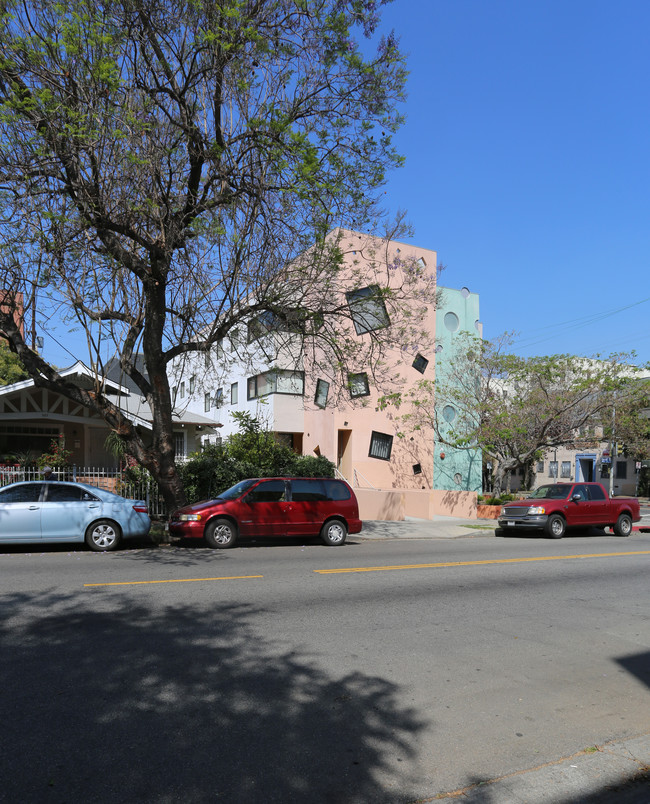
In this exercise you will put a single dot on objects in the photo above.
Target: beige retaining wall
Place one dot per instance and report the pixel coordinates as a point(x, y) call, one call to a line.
point(396, 504)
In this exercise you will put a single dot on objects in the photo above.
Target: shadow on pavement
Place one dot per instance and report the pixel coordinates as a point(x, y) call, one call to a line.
point(108, 699)
point(639, 665)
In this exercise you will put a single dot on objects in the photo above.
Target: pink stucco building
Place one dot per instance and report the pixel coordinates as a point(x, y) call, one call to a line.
point(319, 407)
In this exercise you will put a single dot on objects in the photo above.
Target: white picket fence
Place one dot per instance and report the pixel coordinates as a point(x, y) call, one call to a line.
point(110, 479)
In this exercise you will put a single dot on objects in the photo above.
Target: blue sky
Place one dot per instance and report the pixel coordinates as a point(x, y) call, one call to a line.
point(527, 167)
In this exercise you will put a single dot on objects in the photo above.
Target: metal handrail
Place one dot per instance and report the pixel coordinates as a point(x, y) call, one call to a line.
point(358, 485)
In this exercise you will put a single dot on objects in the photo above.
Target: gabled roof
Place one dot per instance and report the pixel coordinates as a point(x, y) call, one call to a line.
point(79, 374)
point(131, 403)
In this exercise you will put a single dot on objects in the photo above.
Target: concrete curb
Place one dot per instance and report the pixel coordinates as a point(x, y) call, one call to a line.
point(614, 773)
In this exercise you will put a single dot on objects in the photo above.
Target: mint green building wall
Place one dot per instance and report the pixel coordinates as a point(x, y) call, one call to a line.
point(459, 470)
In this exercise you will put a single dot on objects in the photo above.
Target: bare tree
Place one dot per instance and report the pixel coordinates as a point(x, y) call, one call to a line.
point(169, 170)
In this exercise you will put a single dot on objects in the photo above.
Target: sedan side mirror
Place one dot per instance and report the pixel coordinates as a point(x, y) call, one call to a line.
point(576, 498)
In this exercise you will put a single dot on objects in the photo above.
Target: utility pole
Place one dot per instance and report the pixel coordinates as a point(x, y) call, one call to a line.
point(612, 451)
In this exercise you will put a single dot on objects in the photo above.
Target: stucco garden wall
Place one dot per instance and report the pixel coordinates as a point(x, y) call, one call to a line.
point(397, 504)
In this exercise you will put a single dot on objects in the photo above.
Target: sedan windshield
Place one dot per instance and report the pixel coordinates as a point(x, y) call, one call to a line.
point(558, 491)
point(237, 490)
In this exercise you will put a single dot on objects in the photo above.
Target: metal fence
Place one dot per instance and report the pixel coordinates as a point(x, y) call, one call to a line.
point(114, 480)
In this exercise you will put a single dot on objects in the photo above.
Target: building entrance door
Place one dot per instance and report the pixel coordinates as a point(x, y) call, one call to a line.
point(344, 454)
point(585, 468)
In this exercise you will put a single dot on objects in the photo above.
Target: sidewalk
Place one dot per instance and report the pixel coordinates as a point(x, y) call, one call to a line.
point(443, 527)
point(440, 527)
point(613, 773)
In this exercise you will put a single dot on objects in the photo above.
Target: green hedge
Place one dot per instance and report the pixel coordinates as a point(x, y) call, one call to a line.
point(206, 474)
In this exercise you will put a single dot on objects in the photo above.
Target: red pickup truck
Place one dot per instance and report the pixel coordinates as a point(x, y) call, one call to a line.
point(556, 507)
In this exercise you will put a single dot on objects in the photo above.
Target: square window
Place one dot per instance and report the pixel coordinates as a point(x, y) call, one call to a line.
point(287, 382)
point(420, 363)
point(234, 393)
point(540, 467)
point(417, 468)
point(322, 390)
point(367, 309)
point(206, 402)
point(621, 470)
point(192, 383)
point(218, 400)
point(381, 446)
point(552, 468)
point(358, 384)
point(182, 390)
point(251, 388)
point(565, 469)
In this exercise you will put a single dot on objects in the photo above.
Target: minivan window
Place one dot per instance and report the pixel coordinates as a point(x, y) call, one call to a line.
point(237, 490)
point(336, 490)
point(308, 490)
point(268, 491)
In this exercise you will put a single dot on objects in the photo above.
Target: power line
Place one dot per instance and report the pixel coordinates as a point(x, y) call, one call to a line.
point(573, 324)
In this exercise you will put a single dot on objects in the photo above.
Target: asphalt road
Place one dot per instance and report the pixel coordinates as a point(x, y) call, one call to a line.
point(382, 671)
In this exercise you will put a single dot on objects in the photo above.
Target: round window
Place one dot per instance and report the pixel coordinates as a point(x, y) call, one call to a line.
point(451, 322)
point(458, 478)
point(449, 413)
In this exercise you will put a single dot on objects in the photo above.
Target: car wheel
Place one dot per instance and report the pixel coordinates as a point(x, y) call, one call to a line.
point(623, 526)
point(555, 526)
point(334, 532)
point(103, 536)
point(220, 533)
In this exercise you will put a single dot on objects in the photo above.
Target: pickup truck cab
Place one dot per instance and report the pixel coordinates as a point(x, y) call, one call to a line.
point(559, 506)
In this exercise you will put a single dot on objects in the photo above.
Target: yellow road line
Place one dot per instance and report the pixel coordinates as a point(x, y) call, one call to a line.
point(175, 580)
point(477, 563)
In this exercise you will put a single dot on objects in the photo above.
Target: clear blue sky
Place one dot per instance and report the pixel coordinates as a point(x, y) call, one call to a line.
point(527, 163)
point(527, 166)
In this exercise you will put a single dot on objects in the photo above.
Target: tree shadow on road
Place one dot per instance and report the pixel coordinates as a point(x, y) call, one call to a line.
point(106, 699)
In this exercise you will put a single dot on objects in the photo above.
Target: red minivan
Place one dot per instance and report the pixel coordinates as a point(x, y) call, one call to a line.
point(272, 506)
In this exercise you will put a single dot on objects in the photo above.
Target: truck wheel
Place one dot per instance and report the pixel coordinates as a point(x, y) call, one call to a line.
point(623, 526)
point(555, 526)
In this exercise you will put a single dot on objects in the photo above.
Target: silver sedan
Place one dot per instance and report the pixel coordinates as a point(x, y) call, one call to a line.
point(51, 511)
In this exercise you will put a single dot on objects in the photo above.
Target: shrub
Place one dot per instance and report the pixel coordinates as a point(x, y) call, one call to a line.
point(492, 501)
point(251, 453)
point(57, 456)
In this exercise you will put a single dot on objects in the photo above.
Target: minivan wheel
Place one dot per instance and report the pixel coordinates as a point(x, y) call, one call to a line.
point(220, 533)
point(623, 526)
point(103, 536)
point(555, 526)
point(334, 532)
